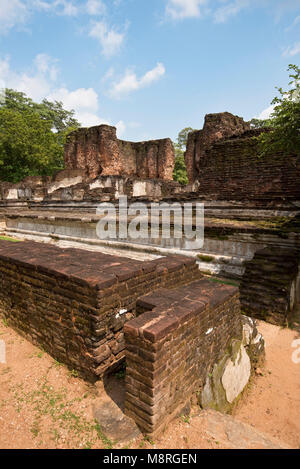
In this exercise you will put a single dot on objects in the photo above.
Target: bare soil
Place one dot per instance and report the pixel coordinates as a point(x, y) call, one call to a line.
point(45, 405)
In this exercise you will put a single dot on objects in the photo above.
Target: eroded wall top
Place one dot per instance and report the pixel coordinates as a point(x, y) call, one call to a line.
point(216, 127)
point(98, 151)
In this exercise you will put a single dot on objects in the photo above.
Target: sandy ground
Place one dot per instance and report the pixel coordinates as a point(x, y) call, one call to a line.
point(273, 400)
point(45, 405)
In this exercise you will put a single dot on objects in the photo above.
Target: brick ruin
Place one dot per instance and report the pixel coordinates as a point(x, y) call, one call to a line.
point(176, 327)
point(223, 159)
point(270, 287)
point(98, 152)
point(83, 293)
point(216, 127)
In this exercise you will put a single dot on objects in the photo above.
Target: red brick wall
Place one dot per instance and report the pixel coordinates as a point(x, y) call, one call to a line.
point(67, 300)
point(232, 170)
point(216, 127)
point(169, 350)
point(97, 151)
point(223, 158)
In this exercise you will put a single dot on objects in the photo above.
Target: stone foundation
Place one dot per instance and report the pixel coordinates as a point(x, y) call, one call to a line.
point(72, 185)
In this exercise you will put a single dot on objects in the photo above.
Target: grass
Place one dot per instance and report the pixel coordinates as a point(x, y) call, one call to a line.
point(45, 401)
point(225, 282)
point(7, 238)
point(121, 372)
point(145, 440)
point(185, 418)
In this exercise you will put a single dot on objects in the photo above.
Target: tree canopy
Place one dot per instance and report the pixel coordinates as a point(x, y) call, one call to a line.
point(284, 122)
point(32, 136)
point(180, 174)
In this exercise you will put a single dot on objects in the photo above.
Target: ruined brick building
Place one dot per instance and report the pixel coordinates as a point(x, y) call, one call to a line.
point(155, 304)
point(98, 152)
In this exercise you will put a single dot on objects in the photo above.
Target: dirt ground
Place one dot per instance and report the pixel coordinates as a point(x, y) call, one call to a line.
point(45, 405)
point(272, 404)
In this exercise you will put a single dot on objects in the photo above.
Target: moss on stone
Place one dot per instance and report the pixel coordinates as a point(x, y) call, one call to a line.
point(205, 258)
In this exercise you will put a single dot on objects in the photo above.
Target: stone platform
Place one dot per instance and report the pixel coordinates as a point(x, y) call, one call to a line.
point(232, 235)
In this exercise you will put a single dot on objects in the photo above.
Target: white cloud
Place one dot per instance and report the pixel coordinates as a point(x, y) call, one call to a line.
point(222, 14)
point(108, 75)
point(82, 99)
point(292, 50)
point(294, 23)
point(265, 114)
point(130, 82)
point(12, 12)
point(109, 39)
point(41, 82)
point(36, 82)
point(178, 9)
point(121, 127)
point(60, 7)
point(95, 7)
point(85, 103)
point(46, 65)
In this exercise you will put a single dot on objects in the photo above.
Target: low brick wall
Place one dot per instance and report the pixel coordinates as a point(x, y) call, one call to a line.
point(69, 300)
point(171, 348)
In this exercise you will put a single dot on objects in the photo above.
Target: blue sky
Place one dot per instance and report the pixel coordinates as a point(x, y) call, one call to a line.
point(150, 67)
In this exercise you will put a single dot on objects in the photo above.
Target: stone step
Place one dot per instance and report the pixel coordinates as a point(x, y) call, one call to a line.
point(232, 433)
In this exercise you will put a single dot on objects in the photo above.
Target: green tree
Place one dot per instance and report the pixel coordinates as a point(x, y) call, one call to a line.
point(28, 147)
point(284, 122)
point(53, 112)
point(259, 123)
point(32, 136)
point(183, 136)
point(180, 174)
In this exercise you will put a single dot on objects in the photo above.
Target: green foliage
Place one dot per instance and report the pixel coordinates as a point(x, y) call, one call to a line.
point(284, 122)
point(61, 120)
point(180, 174)
point(259, 123)
point(31, 136)
point(182, 137)
point(8, 238)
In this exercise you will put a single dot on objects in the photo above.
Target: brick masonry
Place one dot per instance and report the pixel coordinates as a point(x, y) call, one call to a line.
point(224, 159)
point(216, 127)
point(172, 346)
point(270, 287)
point(97, 151)
point(68, 300)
